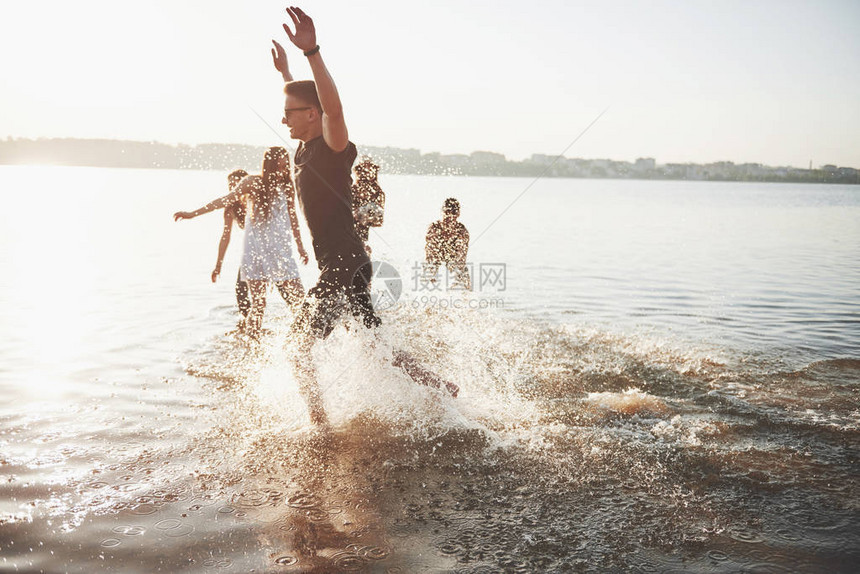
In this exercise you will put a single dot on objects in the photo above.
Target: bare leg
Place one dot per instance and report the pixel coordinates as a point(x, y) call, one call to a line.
point(421, 375)
point(309, 387)
point(303, 366)
point(242, 299)
point(293, 293)
point(254, 322)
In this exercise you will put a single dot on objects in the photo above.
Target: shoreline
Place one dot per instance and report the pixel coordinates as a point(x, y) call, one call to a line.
point(106, 153)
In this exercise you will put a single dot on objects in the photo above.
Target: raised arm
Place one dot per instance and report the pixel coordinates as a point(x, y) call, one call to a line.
point(279, 57)
point(305, 38)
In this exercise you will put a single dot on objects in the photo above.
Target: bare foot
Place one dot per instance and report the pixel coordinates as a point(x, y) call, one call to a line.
point(421, 375)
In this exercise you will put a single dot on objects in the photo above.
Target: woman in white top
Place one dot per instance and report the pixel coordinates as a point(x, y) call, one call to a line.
point(271, 226)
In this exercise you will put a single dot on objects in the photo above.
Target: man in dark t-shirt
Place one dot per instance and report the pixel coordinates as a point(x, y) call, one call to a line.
point(323, 179)
point(314, 114)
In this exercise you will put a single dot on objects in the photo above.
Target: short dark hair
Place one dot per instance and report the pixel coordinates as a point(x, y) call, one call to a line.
point(237, 174)
point(306, 90)
point(452, 207)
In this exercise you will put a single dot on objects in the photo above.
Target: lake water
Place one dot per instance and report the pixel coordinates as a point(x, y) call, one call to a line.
point(655, 377)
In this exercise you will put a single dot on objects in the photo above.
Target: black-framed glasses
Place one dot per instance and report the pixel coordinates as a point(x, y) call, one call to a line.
point(287, 111)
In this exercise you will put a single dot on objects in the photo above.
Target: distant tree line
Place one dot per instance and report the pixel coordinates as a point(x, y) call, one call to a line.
point(136, 154)
point(132, 154)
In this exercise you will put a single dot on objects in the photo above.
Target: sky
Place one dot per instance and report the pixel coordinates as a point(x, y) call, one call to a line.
point(768, 81)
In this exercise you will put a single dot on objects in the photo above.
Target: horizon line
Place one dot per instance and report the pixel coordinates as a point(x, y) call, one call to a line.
point(422, 153)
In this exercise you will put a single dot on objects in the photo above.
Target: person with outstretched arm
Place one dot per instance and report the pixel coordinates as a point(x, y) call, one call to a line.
point(313, 112)
point(271, 229)
point(234, 213)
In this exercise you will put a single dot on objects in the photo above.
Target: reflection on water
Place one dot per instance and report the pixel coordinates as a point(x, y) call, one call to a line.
point(139, 437)
point(701, 469)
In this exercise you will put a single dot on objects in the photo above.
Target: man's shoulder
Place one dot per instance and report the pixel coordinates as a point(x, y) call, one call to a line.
point(317, 151)
point(434, 229)
point(319, 143)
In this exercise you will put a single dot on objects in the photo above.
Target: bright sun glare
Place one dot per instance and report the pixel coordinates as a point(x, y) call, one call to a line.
point(52, 289)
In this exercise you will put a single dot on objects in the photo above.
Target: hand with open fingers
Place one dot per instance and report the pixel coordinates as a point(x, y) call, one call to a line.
point(279, 57)
point(305, 37)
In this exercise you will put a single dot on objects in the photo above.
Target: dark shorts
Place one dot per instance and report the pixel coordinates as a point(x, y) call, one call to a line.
point(362, 231)
point(344, 286)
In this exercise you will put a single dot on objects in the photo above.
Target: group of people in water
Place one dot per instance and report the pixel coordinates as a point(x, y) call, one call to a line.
point(338, 212)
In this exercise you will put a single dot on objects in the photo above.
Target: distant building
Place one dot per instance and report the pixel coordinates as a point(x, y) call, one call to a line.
point(542, 159)
point(645, 164)
point(488, 158)
point(751, 170)
point(456, 160)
